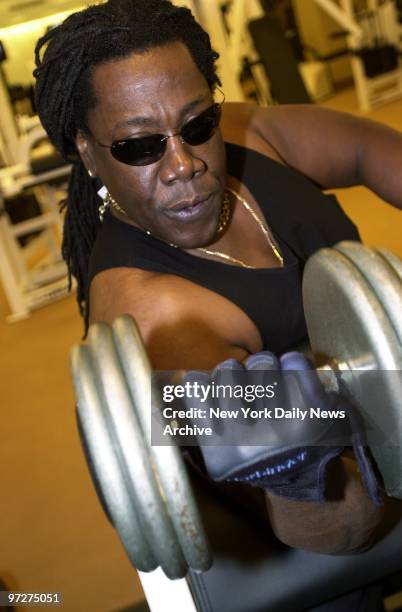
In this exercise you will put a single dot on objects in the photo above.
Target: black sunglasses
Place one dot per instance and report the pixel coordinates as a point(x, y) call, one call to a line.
point(146, 150)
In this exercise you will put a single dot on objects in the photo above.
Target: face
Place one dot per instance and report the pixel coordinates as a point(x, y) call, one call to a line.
point(178, 198)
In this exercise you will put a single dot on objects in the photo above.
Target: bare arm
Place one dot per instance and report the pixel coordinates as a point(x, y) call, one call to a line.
point(345, 524)
point(335, 149)
point(179, 326)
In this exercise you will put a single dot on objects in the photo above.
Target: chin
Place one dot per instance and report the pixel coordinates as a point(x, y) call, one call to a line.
point(190, 228)
point(190, 235)
point(194, 239)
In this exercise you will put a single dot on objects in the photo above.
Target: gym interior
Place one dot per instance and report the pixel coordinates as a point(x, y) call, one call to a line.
point(54, 535)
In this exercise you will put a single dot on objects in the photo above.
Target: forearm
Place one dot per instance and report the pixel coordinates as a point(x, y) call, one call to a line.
point(344, 524)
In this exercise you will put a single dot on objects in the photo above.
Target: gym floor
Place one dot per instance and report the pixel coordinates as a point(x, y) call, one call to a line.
point(53, 534)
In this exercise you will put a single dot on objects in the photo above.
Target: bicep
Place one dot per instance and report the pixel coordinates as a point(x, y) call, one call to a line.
point(179, 332)
point(188, 342)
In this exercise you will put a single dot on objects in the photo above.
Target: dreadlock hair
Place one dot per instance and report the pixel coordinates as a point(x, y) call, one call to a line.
point(63, 96)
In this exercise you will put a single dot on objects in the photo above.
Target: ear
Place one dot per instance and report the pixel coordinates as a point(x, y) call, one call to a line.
point(84, 147)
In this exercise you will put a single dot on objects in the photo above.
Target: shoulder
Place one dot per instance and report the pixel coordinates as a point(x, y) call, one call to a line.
point(276, 130)
point(240, 120)
point(251, 117)
point(322, 144)
point(241, 126)
point(273, 122)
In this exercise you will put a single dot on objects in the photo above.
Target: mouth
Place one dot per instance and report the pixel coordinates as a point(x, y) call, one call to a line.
point(189, 209)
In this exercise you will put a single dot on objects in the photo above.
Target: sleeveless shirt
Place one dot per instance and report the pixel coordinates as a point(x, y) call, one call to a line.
point(302, 220)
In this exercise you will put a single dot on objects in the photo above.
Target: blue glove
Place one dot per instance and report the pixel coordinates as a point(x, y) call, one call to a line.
point(287, 456)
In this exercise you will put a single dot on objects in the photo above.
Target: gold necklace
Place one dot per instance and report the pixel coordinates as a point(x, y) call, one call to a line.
point(223, 221)
point(225, 213)
point(264, 230)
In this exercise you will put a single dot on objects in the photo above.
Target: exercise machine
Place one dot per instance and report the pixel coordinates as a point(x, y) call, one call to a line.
point(32, 273)
point(373, 41)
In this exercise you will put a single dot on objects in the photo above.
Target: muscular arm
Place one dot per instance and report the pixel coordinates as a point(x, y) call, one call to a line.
point(180, 326)
point(335, 149)
point(182, 329)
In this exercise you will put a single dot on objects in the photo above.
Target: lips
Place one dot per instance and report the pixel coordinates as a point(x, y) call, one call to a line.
point(188, 209)
point(188, 203)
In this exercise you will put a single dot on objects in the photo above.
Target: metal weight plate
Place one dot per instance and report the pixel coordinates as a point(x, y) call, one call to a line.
point(105, 462)
point(167, 460)
point(347, 324)
point(393, 261)
point(133, 453)
point(382, 279)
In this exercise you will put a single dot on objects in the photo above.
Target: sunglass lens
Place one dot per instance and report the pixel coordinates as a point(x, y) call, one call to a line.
point(139, 151)
point(150, 149)
point(201, 128)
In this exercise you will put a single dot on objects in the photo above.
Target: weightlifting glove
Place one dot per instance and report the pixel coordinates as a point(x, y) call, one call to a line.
point(288, 456)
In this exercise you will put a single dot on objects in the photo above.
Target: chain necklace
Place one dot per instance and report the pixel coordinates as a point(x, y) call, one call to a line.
point(223, 221)
point(264, 230)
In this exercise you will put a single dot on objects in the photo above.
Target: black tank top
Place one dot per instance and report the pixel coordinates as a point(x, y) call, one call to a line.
point(302, 220)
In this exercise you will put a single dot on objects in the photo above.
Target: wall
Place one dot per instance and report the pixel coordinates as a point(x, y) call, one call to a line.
point(19, 42)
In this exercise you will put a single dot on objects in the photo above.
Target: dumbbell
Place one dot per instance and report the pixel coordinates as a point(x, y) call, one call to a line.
point(352, 298)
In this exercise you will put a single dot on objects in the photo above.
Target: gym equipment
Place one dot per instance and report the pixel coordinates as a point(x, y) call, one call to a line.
point(32, 165)
point(112, 374)
point(253, 572)
point(33, 274)
point(374, 56)
point(359, 296)
point(357, 328)
point(276, 54)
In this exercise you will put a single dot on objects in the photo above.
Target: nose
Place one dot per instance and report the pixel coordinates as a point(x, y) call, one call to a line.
point(179, 162)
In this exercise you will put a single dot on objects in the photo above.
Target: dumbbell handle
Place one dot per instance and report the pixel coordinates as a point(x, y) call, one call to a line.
point(327, 374)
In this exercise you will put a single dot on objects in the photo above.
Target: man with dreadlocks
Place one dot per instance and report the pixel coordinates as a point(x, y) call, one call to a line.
point(197, 217)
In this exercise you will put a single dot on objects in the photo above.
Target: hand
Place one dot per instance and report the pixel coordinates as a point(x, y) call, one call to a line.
point(288, 456)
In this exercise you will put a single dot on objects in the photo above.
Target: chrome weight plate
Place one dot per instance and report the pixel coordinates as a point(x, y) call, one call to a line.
point(105, 462)
point(167, 460)
point(382, 279)
point(347, 325)
point(133, 453)
point(394, 261)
